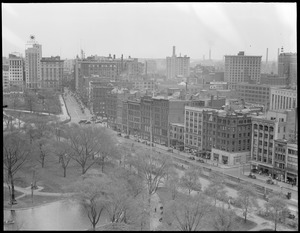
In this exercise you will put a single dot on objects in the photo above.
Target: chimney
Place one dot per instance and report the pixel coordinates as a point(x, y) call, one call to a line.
point(174, 55)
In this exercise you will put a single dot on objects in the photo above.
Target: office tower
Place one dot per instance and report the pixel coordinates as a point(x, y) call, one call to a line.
point(177, 66)
point(33, 56)
point(287, 67)
point(241, 68)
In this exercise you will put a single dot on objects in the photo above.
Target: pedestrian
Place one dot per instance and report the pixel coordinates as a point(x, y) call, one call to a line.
point(155, 209)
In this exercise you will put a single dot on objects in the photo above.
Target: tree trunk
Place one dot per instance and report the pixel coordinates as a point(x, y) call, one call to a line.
point(65, 171)
point(12, 189)
point(245, 220)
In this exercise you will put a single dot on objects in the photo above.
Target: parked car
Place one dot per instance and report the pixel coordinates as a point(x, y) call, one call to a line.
point(252, 176)
point(291, 216)
point(88, 122)
point(254, 170)
point(119, 134)
point(270, 181)
point(200, 160)
point(82, 121)
point(192, 157)
point(170, 150)
point(126, 136)
point(97, 122)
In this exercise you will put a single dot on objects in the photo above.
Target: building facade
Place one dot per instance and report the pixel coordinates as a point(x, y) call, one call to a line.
point(5, 76)
point(52, 72)
point(33, 56)
point(287, 67)
point(16, 71)
point(176, 135)
point(177, 66)
point(283, 98)
point(265, 130)
point(241, 68)
point(253, 93)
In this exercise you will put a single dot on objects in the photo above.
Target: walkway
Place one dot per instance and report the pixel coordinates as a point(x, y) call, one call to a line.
point(27, 191)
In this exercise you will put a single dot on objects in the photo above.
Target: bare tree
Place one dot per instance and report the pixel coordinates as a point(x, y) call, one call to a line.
point(247, 198)
point(190, 180)
point(30, 99)
point(216, 188)
point(62, 150)
point(172, 183)
point(278, 209)
point(223, 220)
point(89, 193)
point(87, 143)
point(15, 154)
point(188, 212)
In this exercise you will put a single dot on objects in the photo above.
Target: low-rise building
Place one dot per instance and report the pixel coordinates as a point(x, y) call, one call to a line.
point(177, 135)
point(283, 98)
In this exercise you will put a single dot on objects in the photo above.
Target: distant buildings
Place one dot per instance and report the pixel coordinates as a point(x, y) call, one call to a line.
point(287, 67)
point(33, 56)
point(16, 71)
point(52, 72)
point(283, 98)
point(177, 66)
point(241, 68)
point(5, 76)
point(273, 80)
point(253, 93)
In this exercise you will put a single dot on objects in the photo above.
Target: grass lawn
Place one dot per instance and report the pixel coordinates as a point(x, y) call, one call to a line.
point(6, 197)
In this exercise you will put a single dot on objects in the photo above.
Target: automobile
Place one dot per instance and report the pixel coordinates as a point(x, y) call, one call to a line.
point(170, 150)
point(126, 136)
point(254, 170)
point(291, 216)
point(144, 142)
point(7, 222)
point(88, 122)
point(119, 134)
point(191, 158)
point(97, 122)
point(270, 181)
point(200, 160)
point(252, 176)
point(82, 121)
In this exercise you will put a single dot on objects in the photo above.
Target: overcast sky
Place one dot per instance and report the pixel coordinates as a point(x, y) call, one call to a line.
point(149, 30)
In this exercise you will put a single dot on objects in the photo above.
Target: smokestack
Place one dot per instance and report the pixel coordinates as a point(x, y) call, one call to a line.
point(174, 55)
point(114, 56)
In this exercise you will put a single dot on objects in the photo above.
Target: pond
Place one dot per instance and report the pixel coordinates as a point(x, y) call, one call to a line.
point(60, 215)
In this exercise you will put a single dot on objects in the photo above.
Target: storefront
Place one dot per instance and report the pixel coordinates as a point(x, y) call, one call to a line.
point(278, 174)
point(292, 178)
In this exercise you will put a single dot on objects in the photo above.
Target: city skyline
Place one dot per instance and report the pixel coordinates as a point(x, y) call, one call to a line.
point(131, 29)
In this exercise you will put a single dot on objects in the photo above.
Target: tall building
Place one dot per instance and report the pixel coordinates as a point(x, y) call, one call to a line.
point(177, 66)
point(227, 135)
point(287, 67)
point(52, 72)
point(241, 68)
point(283, 98)
point(33, 56)
point(265, 130)
point(5, 76)
point(16, 71)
